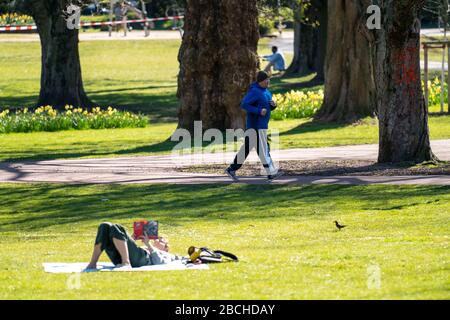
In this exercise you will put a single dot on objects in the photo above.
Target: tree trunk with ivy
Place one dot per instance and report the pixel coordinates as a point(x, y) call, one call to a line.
point(61, 79)
point(218, 61)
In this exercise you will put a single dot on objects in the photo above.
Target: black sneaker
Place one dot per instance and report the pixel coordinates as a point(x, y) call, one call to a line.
point(231, 174)
point(275, 176)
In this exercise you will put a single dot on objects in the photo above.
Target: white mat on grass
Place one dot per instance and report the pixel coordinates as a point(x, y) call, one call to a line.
point(108, 267)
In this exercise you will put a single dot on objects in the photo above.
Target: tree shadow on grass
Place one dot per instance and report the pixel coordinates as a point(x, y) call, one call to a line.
point(165, 146)
point(284, 84)
point(159, 107)
point(36, 207)
point(161, 147)
point(313, 126)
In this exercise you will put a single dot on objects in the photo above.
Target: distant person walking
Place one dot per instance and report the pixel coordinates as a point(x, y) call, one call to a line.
point(117, 15)
point(120, 13)
point(258, 103)
point(276, 61)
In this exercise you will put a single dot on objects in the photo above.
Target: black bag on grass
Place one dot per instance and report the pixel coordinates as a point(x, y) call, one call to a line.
point(206, 255)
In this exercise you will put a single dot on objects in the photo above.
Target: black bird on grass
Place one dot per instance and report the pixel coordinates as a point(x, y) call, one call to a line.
point(339, 226)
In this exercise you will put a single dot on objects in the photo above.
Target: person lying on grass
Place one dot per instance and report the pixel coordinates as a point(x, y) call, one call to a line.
point(124, 252)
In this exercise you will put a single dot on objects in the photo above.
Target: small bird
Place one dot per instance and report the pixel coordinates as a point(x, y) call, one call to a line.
point(339, 226)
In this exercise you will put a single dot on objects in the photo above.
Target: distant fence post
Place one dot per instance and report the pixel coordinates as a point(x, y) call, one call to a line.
point(111, 9)
point(444, 45)
point(144, 13)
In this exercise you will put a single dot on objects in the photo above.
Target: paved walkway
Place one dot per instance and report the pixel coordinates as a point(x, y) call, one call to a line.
point(286, 44)
point(97, 36)
point(432, 32)
point(160, 169)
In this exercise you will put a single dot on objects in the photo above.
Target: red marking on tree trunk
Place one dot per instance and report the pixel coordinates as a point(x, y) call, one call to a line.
point(406, 71)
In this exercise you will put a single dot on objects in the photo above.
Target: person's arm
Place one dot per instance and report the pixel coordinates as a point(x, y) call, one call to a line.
point(147, 243)
point(268, 57)
point(160, 244)
point(248, 104)
point(272, 103)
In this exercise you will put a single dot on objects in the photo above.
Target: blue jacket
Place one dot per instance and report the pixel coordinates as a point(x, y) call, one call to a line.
point(257, 98)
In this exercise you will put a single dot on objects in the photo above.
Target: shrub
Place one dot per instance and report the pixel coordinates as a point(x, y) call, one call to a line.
point(266, 25)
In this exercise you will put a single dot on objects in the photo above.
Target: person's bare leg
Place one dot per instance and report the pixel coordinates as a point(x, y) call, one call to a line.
point(122, 247)
point(95, 256)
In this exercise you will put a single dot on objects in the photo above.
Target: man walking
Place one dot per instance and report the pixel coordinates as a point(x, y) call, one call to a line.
point(258, 103)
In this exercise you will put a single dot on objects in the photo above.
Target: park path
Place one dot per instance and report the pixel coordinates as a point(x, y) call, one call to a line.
point(285, 42)
point(286, 45)
point(98, 36)
point(161, 169)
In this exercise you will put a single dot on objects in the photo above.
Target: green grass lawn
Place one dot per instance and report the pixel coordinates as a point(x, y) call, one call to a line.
point(284, 236)
point(136, 75)
point(154, 139)
point(142, 76)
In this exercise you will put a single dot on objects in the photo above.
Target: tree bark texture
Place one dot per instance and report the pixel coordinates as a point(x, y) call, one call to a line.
point(61, 79)
point(349, 82)
point(403, 116)
point(218, 61)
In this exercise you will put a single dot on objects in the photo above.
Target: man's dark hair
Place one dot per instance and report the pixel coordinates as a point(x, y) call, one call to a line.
point(261, 76)
point(274, 49)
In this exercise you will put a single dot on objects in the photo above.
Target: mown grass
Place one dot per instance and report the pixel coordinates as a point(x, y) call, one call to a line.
point(155, 139)
point(142, 76)
point(139, 76)
point(284, 235)
point(132, 75)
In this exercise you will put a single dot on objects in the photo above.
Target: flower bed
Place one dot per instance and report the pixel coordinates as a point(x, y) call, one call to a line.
point(434, 92)
point(15, 19)
point(297, 104)
point(48, 119)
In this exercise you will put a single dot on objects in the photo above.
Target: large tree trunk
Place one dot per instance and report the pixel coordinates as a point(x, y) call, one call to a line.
point(218, 61)
point(61, 81)
point(403, 116)
point(309, 39)
point(349, 83)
